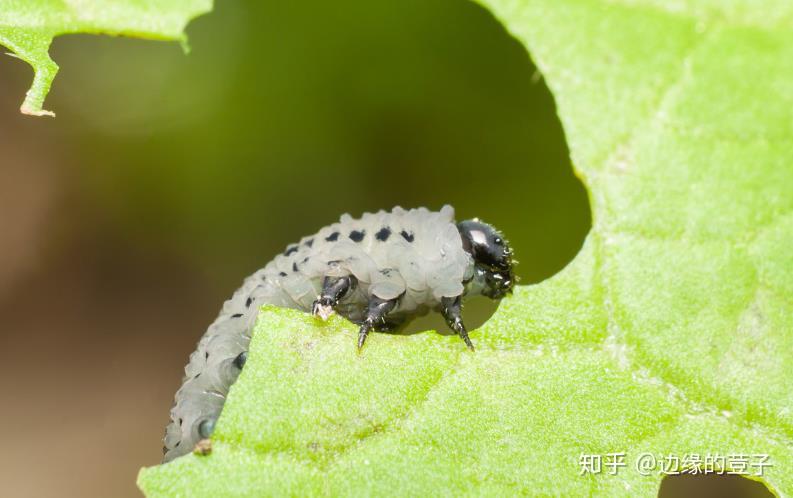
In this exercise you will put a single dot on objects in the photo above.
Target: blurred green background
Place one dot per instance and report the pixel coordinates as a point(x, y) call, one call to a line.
point(285, 116)
point(166, 179)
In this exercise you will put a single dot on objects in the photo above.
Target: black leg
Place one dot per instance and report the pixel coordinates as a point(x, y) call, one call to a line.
point(333, 289)
point(375, 316)
point(451, 308)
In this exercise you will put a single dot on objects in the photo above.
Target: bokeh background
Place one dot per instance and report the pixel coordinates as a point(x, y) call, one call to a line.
point(167, 178)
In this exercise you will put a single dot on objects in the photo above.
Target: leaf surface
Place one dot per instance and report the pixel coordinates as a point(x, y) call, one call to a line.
point(671, 333)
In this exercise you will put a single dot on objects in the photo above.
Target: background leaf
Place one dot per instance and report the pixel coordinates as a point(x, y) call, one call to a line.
point(27, 28)
point(670, 333)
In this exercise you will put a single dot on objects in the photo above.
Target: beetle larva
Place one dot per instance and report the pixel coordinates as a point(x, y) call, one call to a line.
point(378, 271)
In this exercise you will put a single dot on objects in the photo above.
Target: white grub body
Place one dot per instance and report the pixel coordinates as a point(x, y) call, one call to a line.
point(415, 255)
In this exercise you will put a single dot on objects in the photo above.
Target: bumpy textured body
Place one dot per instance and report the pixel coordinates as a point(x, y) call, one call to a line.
point(415, 256)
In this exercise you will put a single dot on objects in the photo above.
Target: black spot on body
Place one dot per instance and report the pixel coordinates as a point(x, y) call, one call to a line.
point(240, 360)
point(407, 235)
point(206, 355)
point(248, 302)
point(283, 274)
point(332, 237)
point(236, 315)
point(294, 267)
point(383, 234)
point(357, 235)
point(290, 250)
point(309, 242)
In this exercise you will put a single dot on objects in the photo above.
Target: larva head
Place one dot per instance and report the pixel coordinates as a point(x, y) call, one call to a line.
point(492, 257)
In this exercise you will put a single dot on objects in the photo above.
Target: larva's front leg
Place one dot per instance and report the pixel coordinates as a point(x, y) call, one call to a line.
point(333, 289)
point(376, 311)
point(451, 309)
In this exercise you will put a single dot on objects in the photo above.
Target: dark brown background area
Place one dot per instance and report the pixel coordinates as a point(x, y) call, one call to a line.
point(165, 179)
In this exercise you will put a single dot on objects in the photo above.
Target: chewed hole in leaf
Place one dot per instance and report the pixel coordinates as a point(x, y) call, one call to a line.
point(712, 486)
point(438, 119)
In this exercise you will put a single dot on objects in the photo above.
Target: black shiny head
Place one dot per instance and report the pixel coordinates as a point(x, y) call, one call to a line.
point(492, 256)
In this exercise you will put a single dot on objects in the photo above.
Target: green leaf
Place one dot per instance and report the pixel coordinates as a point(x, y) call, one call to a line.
point(27, 28)
point(671, 332)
